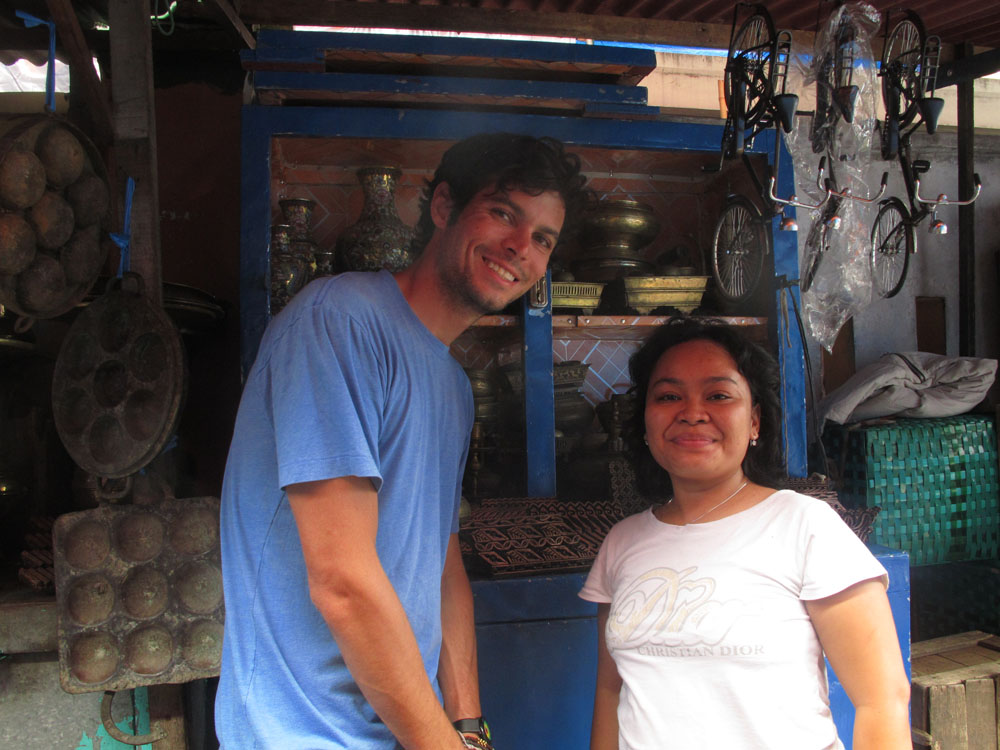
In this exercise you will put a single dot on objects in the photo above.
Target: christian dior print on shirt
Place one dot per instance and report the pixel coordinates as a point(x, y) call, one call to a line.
point(665, 612)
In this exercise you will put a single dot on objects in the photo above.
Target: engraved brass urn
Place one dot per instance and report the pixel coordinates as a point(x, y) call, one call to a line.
point(379, 239)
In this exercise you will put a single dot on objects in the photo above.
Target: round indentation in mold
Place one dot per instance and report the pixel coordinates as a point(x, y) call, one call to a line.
point(139, 537)
point(80, 355)
point(41, 287)
point(74, 410)
point(108, 442)
point(87, 545)
point(149, 649)
point(90, 600)
point(148, 357)
point(195, 532)
point(199, 587)
point(143, 414)
point(115, 327)
point(110, 384)
point(93, 657)
point(202, 644)
point(144, 593)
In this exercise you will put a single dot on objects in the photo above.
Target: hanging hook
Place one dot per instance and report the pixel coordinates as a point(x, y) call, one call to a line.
point(118, 734)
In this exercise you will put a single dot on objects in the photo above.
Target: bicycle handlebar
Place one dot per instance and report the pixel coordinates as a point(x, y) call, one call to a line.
point(793, 200)
point(821, 183)
point(942, 199)
point(847, 193)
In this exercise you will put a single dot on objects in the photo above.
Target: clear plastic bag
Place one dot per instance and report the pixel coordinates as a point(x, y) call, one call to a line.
point(834, 266)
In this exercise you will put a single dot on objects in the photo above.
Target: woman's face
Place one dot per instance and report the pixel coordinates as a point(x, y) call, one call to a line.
point(699, 413)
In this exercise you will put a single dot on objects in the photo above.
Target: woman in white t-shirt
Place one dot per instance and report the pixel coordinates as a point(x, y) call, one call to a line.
point(716, 605)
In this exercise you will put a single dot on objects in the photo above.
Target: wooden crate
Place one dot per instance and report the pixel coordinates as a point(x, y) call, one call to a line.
point(956, 691)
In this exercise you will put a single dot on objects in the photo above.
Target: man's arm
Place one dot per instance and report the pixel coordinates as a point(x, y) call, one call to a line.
point(458, 672)
point(337, 521)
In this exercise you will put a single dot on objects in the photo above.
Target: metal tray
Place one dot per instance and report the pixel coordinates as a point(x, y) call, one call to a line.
point(139, 594)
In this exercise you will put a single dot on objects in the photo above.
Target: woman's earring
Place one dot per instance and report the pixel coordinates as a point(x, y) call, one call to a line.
point(753, 442)
point(645, 440)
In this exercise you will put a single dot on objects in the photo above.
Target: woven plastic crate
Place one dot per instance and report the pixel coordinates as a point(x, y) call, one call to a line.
point(935, 480)
point(954, 597)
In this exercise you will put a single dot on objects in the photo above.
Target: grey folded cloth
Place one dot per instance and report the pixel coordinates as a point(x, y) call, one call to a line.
point(910, 384)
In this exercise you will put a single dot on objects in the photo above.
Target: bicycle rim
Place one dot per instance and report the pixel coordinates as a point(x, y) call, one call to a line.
point(751, 58)
point(901, 61)
point(815, 249)
point(738, 250)
point(892, 242)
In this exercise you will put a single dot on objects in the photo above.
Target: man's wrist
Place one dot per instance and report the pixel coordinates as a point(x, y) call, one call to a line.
point(475, 732)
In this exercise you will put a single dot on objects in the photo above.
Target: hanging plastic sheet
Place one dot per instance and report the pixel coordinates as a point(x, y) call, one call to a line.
point(834, 266)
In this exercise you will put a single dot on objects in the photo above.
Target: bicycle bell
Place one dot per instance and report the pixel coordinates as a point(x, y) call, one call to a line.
point(788, 224)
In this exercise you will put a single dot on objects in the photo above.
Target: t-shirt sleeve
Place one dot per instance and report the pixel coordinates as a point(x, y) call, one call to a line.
point(597, 587)
point(834, 557)
point(324, 385)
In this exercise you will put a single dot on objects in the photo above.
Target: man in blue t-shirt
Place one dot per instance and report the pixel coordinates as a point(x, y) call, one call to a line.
point(349, 614)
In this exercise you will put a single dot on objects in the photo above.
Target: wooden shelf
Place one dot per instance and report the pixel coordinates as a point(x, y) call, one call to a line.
point(619, 327)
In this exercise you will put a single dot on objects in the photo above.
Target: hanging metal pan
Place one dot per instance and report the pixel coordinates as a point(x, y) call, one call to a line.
point(119, 382)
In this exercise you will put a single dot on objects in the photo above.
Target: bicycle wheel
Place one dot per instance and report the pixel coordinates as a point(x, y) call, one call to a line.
point(901, 62)
point(824, 116)
point(738, 249)
point(846, 92)
point(750, 60)
point(817, 243)
point(893, 240)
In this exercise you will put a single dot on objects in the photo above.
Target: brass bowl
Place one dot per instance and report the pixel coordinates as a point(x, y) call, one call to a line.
point(481, 382)
point(486, 410)
point(569, 374)
point(586, 296)
point(646, 293)
point(615, 218)
point(566, 376)
point(609, 269)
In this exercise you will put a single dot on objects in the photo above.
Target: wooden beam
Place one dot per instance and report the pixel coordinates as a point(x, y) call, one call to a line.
point(70, 35)
point(233, 18)
point(135, 134)
point(483, 20)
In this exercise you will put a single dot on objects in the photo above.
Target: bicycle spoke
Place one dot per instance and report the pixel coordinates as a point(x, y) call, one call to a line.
point(890, 248)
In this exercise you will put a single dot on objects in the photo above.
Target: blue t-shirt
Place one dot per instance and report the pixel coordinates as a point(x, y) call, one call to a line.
point(347, 382)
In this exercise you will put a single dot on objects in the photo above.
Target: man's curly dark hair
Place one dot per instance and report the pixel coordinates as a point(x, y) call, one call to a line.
point(764, 463)
point(511, 161)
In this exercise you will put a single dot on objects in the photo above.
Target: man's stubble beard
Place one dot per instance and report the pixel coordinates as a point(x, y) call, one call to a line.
point(458, 286)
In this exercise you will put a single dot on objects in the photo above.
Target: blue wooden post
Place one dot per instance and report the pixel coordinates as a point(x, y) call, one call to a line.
point(791, 356)
point(539, 397)
point(255, 237)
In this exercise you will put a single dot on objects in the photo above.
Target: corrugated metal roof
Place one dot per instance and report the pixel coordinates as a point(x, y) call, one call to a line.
point(958, 21)
point(685, 22)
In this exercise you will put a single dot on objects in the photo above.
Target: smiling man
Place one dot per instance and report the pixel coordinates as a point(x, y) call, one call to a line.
point(349, 614)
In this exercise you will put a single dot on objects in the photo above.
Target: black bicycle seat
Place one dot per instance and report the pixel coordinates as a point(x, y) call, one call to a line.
point(920, 166)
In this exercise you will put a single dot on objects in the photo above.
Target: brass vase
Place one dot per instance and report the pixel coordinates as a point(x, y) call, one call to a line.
point(379, 239)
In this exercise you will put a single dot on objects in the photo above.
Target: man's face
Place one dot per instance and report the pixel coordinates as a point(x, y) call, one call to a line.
point(497, 247)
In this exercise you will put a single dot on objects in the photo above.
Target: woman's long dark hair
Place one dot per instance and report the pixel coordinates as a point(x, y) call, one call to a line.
point(764, 463)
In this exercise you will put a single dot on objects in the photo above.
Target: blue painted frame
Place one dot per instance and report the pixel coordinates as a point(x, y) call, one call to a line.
point(260, 124)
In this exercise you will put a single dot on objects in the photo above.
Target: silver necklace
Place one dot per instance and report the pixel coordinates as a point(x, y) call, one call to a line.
point(716, 507)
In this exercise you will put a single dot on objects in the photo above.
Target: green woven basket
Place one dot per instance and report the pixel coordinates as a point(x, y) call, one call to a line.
point(936, 481)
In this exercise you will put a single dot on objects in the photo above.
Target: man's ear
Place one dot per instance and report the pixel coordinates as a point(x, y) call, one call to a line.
point(441, 205)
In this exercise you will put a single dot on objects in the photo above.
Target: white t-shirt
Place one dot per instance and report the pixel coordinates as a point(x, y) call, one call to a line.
point(709, 630)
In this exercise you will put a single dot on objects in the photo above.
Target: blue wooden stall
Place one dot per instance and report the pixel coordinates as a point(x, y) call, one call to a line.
point(536, 638)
